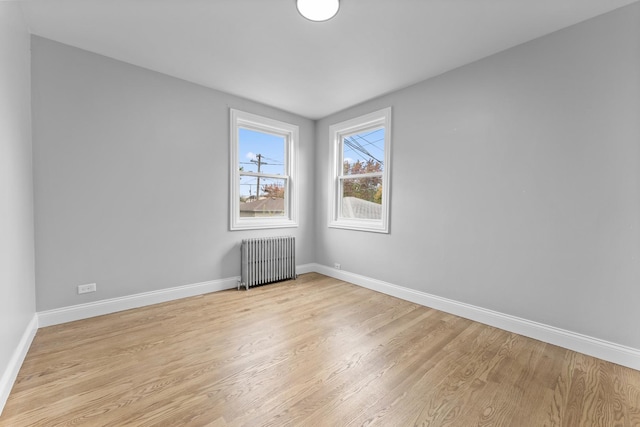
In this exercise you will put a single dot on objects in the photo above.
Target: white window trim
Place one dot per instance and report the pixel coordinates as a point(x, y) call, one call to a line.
point(290, 133)
point(381, 118)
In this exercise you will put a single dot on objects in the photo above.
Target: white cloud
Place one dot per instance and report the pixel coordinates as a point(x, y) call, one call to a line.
point(251, 156)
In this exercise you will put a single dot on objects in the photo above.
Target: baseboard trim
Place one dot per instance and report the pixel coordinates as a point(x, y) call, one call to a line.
point(11, 372)
point(306, 268)
point(108, 306)
point(113, 305)
point(605, 350)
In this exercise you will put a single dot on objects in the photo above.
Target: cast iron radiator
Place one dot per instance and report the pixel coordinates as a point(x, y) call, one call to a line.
point(267, 259)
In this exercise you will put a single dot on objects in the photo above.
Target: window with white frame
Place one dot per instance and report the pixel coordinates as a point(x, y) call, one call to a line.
point(360, 172)
point(263, 179)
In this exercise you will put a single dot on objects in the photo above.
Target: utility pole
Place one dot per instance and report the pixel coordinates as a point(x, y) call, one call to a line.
point(259, 162)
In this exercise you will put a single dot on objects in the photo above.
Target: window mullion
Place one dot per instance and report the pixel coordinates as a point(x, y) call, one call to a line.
point(362, 175)
point(264, 175)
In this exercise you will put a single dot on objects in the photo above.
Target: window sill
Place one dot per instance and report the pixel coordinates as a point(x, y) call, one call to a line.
point(258, 223)
point(360, 225)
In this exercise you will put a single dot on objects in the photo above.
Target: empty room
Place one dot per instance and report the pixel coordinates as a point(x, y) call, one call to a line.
point(319, 212)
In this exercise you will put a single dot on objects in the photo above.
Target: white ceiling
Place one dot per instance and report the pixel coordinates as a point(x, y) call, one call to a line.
point(265, 51)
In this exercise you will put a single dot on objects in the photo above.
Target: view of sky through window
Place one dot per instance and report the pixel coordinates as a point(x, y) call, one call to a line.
point(259, 152)
point(364, 147)
point(362, 153)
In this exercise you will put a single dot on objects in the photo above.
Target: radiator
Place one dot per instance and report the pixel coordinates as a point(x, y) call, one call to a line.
point(268, 259)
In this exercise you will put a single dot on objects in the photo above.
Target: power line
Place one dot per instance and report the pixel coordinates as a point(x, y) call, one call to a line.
point(359, 147)
point(352, 143)
point(270, 159)
point(372, 143)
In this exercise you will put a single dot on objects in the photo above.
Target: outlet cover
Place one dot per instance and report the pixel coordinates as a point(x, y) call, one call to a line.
point(336, 266)
point(83, 289)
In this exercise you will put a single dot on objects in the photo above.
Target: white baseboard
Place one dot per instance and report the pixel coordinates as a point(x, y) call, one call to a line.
point(612, 352)
point(113, 305)
point(99, 308)
point(11, 372)
point(306, 268)
point(605, 350)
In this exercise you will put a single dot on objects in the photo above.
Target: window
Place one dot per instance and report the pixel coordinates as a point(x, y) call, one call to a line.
point(263, 187)
point(360, 173)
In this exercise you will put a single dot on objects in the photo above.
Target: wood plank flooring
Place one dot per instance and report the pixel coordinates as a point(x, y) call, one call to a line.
point(310, 352)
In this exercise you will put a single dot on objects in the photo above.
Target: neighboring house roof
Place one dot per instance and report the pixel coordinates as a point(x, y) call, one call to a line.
point(352, 207)
point(270, 204)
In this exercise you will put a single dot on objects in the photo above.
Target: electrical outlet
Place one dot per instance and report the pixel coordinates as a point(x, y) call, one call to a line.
point(83, 289)
point(336, 266)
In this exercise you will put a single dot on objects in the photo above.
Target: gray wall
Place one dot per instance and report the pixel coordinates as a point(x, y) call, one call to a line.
point(17, 289)
point(131, 178)
point(515, 183)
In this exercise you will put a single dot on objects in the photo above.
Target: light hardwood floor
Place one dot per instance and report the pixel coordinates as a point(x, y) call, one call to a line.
point(310, 352)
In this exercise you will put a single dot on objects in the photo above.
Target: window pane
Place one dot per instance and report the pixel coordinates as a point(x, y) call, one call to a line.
point(363, 152)
point(261, 152)
point(262, 197)
point(362, 198)
point(360, 156)
point(262, 188)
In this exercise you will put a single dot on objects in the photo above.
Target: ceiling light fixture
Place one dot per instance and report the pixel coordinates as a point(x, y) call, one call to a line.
point(318, 10)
